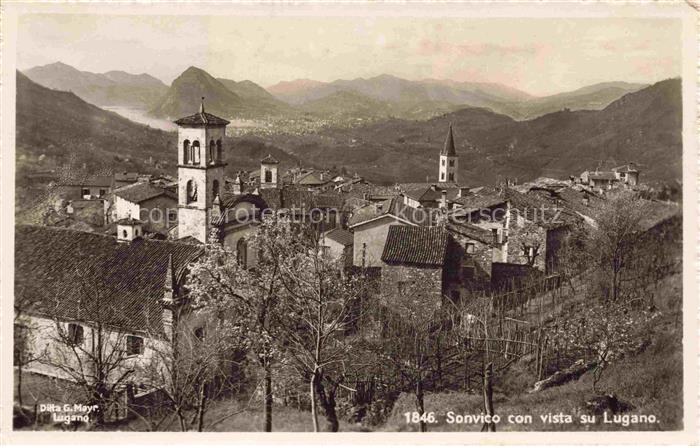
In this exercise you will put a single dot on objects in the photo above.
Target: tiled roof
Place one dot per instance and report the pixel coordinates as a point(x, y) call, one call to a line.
point(394, 207)
point(313, 179)
point(129, 221)
point(540, 211)
point(475, 202)
point(341, 236)
point(61, 271)
point(140, 192)
point(572, 199)
point(608, 176)
point(230, 201)
point(625, 168)
point(471, 231)
point(269, 160)
point(202, 119)
point(126, 176)
point(415, 245)
point(449, 148)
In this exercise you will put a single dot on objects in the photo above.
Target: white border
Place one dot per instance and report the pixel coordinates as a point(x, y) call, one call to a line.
point(689, 435)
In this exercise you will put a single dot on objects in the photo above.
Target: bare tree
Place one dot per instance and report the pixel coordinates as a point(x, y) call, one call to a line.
point(221, 284)
point(611, 246)
point(317, 307)
point(409, 337)
point(191, 366)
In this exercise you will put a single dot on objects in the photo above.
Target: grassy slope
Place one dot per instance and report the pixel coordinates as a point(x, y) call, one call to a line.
point(652, 381)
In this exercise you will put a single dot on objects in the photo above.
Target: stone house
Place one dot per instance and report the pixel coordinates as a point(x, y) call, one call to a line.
point(420, 263)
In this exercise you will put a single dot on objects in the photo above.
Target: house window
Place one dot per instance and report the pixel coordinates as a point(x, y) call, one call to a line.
point(470, 248)
point(102, 192)
point(75, 334)
point(215, 188)
point(186, 155)
point(134, 345)
point(442, 176)
point(85, 192)
point(452, 163)
point(443, 162)
point(199, 333)
point(268, 176)
point(452, 177)
point(195, 152)
point(191, 191)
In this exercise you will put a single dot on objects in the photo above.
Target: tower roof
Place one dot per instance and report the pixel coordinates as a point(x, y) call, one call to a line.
point(449, 147)
point(202, 119)
point(269, 160)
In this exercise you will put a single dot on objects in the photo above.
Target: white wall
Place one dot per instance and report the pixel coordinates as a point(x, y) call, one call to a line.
point(43, 342)
point(373, 235)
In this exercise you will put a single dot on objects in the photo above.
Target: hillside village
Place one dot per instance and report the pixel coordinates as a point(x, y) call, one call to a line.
point(113, 255)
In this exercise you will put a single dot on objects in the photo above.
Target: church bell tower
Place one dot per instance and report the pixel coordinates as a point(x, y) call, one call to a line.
point(200, 171)
point(449, 163)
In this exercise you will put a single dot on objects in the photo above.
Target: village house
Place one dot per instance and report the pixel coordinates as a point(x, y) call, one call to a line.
point(92, 187)
point(154, 204)
point(420, 262)
point(526, 230)
point(338, 243)
point(73, 288)
point(370, 226)
point(627, 174)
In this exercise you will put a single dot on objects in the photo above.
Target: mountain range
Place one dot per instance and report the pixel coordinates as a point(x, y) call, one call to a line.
point(378, 97)
point(643, 126)
point(399, 95)
point(56, 127)
point(224, 97)
point(113, 88)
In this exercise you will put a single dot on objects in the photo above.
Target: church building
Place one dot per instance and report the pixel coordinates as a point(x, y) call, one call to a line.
point(202, 202)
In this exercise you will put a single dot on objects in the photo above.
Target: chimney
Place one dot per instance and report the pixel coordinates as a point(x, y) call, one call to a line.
point(443, 199)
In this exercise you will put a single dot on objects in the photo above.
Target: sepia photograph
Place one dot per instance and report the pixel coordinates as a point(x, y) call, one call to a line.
point(370, 218)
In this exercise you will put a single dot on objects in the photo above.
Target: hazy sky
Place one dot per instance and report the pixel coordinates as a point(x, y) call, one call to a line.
point(540, 56)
